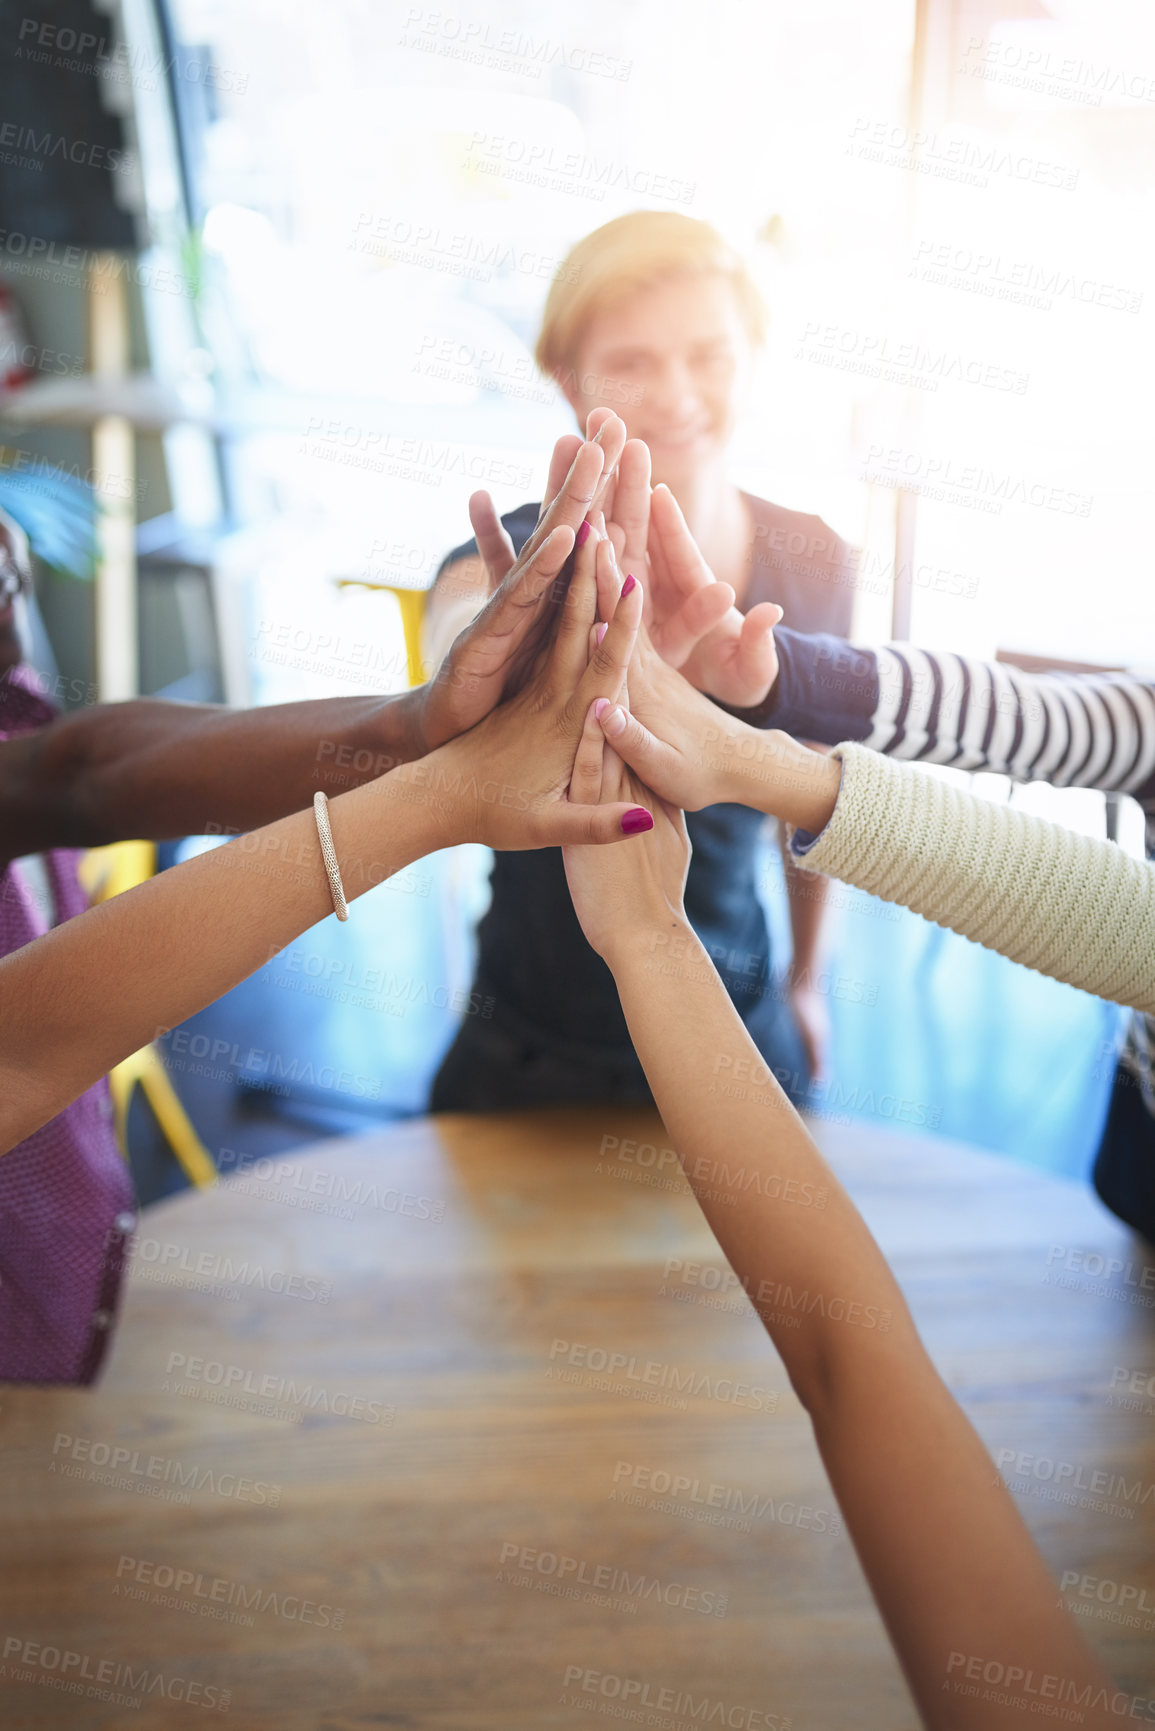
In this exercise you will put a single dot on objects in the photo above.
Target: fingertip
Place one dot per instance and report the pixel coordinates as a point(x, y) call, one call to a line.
point(636, 821)
point(631, 583)
point(600, 707)
point(611, 716)
point(606, 425)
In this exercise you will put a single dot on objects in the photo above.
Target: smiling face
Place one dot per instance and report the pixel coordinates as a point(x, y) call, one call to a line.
point(672, 360)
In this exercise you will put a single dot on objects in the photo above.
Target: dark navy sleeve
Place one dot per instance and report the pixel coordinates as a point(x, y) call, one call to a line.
point(520, 524)
point(826, 690)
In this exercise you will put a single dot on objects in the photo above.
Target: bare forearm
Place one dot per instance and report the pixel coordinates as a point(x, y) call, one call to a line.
point(950, 1562)
point(176, 943)
point(773, 773)
point(806, 894)
point(778, 1211)
point(153, 770)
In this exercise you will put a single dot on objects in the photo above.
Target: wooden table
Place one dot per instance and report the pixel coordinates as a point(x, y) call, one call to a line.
point(476, 1524)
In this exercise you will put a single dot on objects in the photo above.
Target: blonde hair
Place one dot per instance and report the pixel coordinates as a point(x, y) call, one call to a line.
point(633, 252)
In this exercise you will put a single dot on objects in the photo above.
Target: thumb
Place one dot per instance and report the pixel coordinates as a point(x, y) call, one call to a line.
point(757, 652)
point(651, 758)
point(562, 824)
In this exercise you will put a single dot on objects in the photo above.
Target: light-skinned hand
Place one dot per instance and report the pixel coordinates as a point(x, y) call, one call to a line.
point(496, 654)
point(694, 754)
point(639, 902)
point(736, 662)
point(507, 782)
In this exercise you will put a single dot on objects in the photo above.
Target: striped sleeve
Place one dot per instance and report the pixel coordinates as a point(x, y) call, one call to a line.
point(1073, 730)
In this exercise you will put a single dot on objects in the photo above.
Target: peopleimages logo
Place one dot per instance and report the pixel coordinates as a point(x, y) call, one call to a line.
point(568, 1575)
point(221, 1059)
point(633, 1693)
point(298, 1186)
point(135, 1466)
point(1069, 1482)
point(217, 1596)
point(1119, 1601)
point(652, 1374)
point(713, 1504)
point(67, 1671)
point(164, 1264)
point(1018, 1684)
point(213, 1373)
point(49, 144)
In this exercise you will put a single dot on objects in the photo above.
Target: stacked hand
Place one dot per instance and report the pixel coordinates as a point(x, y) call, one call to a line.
point(643, 899)
point(693, 622)
point(496, 654)
point(508, 781)
point(672, 749)
point(691, 617)
point(517, 755)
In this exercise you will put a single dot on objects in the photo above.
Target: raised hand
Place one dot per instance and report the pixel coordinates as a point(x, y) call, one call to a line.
point(508, 781)
point(633, 905)
point(735, 662)
point(694, 754)
point(495, 655)
point(677, 616)
point(569, 495)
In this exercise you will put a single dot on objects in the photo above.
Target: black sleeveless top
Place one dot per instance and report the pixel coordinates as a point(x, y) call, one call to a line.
point(533, 959)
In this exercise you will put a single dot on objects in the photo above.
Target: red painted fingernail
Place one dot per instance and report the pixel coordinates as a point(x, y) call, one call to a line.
point(583, 534)
point(600, 707)
point(630, 583)
point(636, 821)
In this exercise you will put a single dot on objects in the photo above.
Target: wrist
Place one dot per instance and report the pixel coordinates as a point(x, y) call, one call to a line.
point(379, 829)
point(760, 714)
point(430, 789)
point(774, 773)
point(660, 937)
point(405, 725)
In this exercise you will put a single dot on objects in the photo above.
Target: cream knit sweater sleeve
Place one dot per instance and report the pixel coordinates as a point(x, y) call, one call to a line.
point(1080, 910)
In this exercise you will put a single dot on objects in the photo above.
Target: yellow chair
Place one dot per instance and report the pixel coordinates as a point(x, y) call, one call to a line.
point(106, 872)
point(412, 605)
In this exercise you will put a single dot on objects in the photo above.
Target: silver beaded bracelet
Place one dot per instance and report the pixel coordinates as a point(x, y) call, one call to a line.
point(329, 854)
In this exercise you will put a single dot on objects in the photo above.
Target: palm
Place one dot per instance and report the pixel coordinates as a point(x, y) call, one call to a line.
point(495, 656)
point(609, 903)
point(691, 618)
point(737, 662)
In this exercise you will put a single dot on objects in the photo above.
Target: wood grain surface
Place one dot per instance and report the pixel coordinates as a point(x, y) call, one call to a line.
point(363, 1454)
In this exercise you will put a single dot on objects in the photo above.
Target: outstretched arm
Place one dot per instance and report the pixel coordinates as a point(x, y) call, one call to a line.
point(151, 769)
point(1077, 909)
point(1072, 730)
point(77, 1000)
point(951, 1564)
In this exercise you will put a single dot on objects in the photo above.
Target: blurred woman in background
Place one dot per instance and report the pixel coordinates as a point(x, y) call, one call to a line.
point(656, 317)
